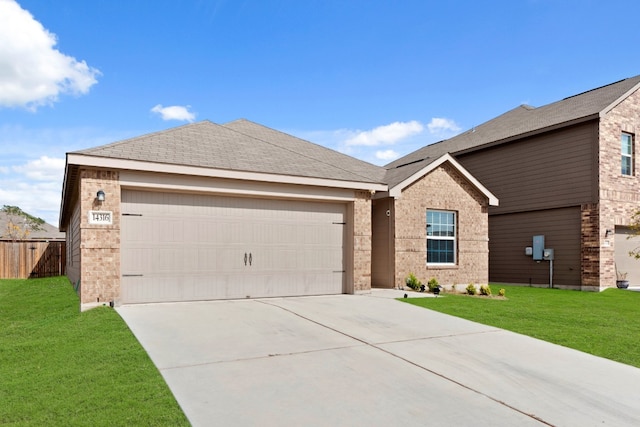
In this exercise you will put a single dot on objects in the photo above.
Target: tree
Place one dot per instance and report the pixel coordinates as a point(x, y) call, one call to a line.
point(19, 223)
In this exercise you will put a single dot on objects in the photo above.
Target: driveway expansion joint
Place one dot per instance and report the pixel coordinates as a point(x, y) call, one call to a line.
point(445, 377)
point(267, 356)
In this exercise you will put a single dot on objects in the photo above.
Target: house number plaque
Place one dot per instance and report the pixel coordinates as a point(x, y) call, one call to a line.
point(101, 217)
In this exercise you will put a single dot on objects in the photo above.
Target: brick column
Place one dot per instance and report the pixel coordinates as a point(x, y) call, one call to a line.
point(590, 247)
point(99, 244)
point(362, 241)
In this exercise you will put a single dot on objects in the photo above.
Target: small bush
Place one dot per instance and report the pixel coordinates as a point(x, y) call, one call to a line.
point(485, 290)
point(501, 292)
point(471, 289)
point(413, 282)
point(432, 284)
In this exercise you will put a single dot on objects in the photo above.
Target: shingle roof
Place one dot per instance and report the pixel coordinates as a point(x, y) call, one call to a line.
point(48, 231)
point(309, 149)
point(517, 122)
point(240, 146)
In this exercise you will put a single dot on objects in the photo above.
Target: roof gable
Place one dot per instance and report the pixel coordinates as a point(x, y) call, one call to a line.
point(418, 169)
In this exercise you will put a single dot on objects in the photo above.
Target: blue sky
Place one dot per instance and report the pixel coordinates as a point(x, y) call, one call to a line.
point(373, 79)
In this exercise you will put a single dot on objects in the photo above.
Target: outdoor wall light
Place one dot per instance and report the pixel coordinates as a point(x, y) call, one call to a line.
point(608, 233)
point(100, 196)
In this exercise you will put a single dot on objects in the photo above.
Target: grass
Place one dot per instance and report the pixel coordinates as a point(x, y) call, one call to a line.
point(62, 367)
point(604, 324)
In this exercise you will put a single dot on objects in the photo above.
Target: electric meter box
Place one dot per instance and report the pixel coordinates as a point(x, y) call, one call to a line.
point(538, 248)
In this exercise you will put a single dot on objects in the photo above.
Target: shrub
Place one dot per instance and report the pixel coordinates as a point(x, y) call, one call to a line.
point(471, 289)
point(413, 282)
point(432, 284)
point(485, 290)
point(501, 292)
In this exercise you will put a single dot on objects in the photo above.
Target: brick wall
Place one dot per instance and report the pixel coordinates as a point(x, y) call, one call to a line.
point(590, 246)
point(442, 189)
point(362, 241)
point(619, 195)
point(100, 244)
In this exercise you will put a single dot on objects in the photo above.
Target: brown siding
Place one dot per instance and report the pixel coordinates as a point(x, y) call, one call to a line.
point(553, 170)
point(382, 244)
point(512, 233)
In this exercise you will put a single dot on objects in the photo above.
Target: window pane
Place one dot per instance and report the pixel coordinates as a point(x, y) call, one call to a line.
point(441, 237)
point(627, 144)
point(440, 251)
point(627, 154)
point(626, 165)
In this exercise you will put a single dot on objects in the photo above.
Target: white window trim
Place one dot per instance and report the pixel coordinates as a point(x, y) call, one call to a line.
point(454, 238)
point(625, 155)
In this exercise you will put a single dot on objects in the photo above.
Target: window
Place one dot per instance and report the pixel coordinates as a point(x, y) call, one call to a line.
point(441, 237)
point(627, 154)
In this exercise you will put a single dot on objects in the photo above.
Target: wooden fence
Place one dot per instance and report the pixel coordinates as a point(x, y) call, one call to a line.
point(22, 260)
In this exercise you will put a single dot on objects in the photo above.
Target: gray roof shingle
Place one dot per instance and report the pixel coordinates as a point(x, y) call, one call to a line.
point(47, 232)
point(517, 122)
point(240, 146)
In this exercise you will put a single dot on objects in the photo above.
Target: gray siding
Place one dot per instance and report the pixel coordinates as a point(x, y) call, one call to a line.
point(73, 247)
point(553, 170)
point(511, 233)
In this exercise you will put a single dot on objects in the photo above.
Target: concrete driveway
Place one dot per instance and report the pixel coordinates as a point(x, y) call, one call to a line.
point(368, 360)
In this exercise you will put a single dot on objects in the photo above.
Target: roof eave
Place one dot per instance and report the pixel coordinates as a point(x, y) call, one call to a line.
point(127, 164)
point(67, 183)
point(530, 133)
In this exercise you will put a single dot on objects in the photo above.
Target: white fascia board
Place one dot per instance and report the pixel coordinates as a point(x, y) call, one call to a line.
point(111, 163)
point(189, 183)
point(615, 103)
point(396, 191)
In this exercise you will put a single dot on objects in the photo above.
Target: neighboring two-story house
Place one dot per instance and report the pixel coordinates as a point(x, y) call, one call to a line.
point(567, 171)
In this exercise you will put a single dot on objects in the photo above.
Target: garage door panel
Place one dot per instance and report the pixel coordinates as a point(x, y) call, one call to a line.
point(625, 242)
point(193, 247)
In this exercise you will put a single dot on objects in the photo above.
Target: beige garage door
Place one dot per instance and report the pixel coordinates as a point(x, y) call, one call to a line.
point(625, 242)
point(187, 247)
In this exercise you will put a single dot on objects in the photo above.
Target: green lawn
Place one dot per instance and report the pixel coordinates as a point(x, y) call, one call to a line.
point(606, 324)
point(62, 367)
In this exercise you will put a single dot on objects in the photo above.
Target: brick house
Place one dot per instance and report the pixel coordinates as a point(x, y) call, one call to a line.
point(431, 222)
point(207, 211)
point(567, 171)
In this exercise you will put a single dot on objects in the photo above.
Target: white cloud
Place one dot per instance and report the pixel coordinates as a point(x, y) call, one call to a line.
point(440, 124)
point(387, 134)
point(386, 155)
point(174, 112)
point(32, 72)
point(35, 187)
point(43, 169)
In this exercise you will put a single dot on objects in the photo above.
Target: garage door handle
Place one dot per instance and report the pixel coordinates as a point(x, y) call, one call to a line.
point(250, 258)
point(245, 258)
